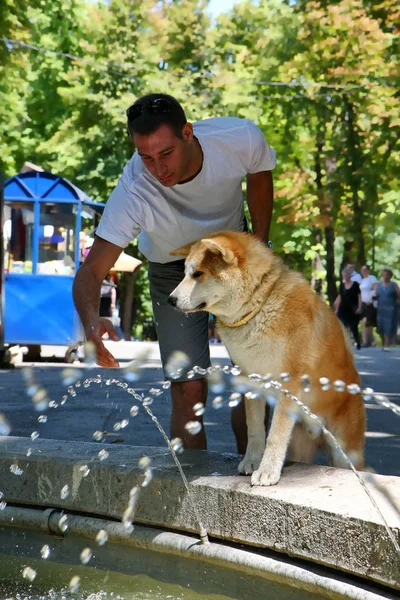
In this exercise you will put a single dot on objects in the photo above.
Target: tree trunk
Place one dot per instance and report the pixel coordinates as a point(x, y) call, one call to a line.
point(330, 263)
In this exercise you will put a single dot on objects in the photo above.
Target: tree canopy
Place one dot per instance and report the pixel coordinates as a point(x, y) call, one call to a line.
point(320, 79)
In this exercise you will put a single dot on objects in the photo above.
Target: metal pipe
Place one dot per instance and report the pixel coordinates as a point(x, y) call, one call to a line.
point(185, 546)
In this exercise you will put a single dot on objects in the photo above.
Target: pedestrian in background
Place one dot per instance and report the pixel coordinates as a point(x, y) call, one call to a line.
point(348, 305)
point(368, 320)
point(387, 295)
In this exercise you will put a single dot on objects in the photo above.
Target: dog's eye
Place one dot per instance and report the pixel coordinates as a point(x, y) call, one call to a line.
point(197, 274)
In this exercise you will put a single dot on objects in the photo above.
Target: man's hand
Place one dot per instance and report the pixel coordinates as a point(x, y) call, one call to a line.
point(94, 333)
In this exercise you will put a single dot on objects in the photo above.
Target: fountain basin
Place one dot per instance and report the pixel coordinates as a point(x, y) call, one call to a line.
point(315, 513)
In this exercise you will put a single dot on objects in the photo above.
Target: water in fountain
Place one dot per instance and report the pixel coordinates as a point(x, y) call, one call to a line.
point(254, 384)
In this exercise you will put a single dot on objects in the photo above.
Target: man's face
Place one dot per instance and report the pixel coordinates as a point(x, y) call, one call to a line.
point(165, 155)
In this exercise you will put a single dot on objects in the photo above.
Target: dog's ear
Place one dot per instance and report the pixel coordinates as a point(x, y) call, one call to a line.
point(217, 248)
point(183, 250)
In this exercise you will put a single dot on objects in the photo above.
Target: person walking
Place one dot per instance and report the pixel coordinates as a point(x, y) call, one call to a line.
point(387, 295)
point(348, 304)
point(368, 320)
point(183, 182)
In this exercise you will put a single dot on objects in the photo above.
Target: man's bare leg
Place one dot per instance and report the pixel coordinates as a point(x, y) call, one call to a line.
point(185, 394)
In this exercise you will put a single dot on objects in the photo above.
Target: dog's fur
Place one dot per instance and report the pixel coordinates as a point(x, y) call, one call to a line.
point(289, 329)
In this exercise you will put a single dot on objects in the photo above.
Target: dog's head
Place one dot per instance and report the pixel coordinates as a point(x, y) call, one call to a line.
point(215, 273)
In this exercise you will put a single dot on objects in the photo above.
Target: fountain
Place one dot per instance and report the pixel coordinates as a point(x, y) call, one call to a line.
point(103, 510)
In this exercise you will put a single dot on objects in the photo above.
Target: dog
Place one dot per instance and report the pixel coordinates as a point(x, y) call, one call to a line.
point(271, 321)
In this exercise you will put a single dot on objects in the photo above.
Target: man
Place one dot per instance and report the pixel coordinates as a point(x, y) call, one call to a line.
point(355, 276)
point(183, 183)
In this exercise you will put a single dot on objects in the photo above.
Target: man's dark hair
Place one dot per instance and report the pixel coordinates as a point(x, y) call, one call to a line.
point(149, 112)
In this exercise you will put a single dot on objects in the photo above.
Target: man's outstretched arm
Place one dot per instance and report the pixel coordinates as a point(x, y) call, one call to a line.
point(86, 294)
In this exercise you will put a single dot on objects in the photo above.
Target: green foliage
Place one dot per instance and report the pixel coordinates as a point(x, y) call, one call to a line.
point(320, 79)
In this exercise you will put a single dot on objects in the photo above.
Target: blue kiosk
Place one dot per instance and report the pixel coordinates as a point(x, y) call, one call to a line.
point(42, 219)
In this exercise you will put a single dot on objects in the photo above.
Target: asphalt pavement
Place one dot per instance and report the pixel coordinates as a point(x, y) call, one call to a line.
point(99, 406)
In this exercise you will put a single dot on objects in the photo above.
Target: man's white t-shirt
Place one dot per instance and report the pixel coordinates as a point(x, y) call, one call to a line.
point(166, 218)
point(356, 277)
point(366, 288)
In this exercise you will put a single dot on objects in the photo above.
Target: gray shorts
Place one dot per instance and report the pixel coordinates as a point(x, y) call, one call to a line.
point(176, 330)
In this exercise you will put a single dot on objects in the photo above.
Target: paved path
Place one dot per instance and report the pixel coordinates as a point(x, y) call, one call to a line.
point(100, 406)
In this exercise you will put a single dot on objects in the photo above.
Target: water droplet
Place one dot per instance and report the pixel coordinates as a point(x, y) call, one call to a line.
point(218, 402)
point(305, 383)
point(103, 454)
point(144, 463)
point(32, 389)
point(3, 504)
point(45, 551)
point(254, 377)
point(199, 409)
point(128, 515)
point(235, 399)
point(216, 382)
point(353, 389)
point(74, 584)
point(16, 470)
point(122, 384)
point(193, 427)
point(241, 384)
point(29, 573)
point(199, 370)
point(148, 476)
point(368, 394)
point(339, 385)
point(271, 400)
point(40, 400)
point(155, 392)
point(70, 376)
point(90, 354)
point(64, 492)
point(86, 555)
point(177, 363)
point(63, 523)
point(42, 419)
point(325, 383)
point(177, 444)
point(252, 395)
point(102, 537)
point(284, 377)
point(84, 469)
point(5, 427)
point(133, 497)
point(98, 436)
point(134, 410)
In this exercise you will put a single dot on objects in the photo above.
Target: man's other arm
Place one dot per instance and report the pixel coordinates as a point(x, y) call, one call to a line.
point(260, 200)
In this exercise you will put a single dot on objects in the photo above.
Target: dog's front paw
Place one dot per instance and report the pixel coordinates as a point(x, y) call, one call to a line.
point(260, 477)
point(249, 464)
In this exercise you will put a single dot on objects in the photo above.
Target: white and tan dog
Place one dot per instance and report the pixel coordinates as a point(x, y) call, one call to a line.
point(272, 322)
